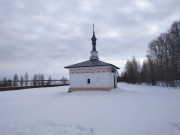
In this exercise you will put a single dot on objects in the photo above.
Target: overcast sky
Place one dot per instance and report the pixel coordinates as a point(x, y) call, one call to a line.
point(43, 36)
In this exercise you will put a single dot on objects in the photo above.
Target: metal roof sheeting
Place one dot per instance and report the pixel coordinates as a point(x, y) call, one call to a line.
point(91, 63)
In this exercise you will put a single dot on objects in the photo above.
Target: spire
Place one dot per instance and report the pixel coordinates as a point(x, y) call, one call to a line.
point(93, 39)
point(94, 53)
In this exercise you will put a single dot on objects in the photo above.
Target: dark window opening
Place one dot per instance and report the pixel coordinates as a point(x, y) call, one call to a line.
point(88, 81)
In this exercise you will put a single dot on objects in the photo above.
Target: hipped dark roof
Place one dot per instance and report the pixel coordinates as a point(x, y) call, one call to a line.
point(91, 63)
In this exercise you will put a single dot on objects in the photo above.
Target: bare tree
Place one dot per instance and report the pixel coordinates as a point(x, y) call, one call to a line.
point(21, 81)
point(64, 80)
point(26, 79)
point(15, 80)
point(9, 82)
point(49, 82)
point(4, 82)
point(132, 70)
point(145, 73)
point(42, 79)
point(164, 56)
point(35, 80)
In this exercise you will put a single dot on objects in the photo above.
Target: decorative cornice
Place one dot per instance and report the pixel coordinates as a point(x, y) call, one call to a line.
point(95, 70)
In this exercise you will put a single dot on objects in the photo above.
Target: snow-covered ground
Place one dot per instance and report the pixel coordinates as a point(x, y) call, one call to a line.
point(128, 110)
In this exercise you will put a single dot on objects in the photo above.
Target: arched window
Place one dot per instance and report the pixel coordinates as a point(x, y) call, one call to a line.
point(88, 81)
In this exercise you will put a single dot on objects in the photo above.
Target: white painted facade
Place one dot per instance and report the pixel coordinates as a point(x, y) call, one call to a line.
point(92, 74)
point(99, 77)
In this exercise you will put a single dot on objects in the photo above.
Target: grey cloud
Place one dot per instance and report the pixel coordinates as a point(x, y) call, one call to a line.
point(44, 36)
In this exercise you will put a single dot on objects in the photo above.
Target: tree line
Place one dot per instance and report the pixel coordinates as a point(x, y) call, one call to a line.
point(162, 64)
point(37, 80)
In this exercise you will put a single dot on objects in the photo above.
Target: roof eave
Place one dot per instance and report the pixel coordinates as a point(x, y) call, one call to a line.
point(67, 67)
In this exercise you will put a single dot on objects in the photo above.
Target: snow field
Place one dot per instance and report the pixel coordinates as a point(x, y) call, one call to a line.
point(128, 110)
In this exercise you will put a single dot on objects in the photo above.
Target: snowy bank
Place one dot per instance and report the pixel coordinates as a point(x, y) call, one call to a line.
point(128, 110)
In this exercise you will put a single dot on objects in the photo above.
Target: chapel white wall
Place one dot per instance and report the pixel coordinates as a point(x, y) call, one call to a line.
point(96, 80)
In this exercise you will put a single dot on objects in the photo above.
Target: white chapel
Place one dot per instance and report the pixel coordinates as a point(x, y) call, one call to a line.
point(92, 74)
